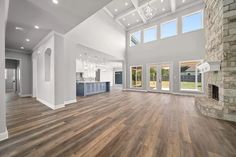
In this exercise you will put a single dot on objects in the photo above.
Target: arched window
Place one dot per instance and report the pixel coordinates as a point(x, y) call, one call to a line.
point(47, 62)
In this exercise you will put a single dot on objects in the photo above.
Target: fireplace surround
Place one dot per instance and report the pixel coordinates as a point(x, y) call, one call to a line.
point(219, 100)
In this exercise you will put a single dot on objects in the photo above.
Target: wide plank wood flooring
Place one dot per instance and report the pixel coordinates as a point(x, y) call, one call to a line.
point(116, 124)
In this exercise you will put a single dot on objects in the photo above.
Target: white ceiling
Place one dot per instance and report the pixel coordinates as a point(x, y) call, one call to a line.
point(61, 17)
point(128, 16)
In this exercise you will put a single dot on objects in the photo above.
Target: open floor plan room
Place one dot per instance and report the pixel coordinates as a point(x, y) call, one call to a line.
point(118, 78)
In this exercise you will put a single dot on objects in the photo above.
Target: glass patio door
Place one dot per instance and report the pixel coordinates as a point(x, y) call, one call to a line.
point(153, 78)
point(159, 77)
point(165, 77)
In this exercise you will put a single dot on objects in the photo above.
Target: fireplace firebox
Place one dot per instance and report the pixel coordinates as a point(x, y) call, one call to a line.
point(213, 92)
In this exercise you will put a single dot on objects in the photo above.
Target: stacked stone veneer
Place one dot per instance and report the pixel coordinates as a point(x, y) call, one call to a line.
point(220, 27)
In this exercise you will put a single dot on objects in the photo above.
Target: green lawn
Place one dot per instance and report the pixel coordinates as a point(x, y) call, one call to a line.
point(165, 84)
point(184, 85)
point(190, 85)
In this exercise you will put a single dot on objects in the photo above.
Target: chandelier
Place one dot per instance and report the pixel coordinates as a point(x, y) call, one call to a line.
point(149, 12)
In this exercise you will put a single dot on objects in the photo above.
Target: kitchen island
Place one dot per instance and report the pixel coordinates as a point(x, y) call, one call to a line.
point(91, 88)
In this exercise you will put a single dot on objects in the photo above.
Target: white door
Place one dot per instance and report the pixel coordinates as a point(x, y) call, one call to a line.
point(10, 80)
point(159, 77)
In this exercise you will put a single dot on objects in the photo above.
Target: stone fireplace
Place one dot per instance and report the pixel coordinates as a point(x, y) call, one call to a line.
point(220, 86)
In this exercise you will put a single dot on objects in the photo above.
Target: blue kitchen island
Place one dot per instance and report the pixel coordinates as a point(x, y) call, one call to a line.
point(91, 88)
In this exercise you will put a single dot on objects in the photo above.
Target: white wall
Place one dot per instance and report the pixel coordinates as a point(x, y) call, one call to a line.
point(45, 89)
point(189, 46)
point(3, 19)
point(25, 70)
point(102, 33)
point(50, 92)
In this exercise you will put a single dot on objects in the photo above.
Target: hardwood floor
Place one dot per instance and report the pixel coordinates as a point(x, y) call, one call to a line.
point(117, 124)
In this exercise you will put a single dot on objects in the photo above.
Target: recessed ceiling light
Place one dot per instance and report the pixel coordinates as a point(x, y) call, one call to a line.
point(116, 10)
point(36, 27)
point(55, 1)
point(137, 20)
point(22, 48)
point(128, 24)
point(123, 19)
point(183, 1)
point(133, 14)
point(19, 28)
point(163, 9)
point(28, 40)
point(126, 3)
point(162, 1)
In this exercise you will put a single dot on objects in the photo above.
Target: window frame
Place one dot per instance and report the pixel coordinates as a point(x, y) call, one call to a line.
point(130, 34)
point(148, 28)
point(161, 27)
point(202, 78)
point(131, 86)
point(187, 15)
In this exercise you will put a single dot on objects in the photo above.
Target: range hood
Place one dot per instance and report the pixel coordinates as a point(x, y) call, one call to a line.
point(209, 66)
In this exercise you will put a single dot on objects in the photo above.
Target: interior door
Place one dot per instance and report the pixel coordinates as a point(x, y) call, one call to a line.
point(10, 80)
point(159, 77)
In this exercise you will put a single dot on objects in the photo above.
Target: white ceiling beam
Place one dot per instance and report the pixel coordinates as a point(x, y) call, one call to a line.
point(131, 10)
point(125, 13)
point(197, 3)
point(135, 3)
point(112, 16)
point(108, 12)
point(173, 5)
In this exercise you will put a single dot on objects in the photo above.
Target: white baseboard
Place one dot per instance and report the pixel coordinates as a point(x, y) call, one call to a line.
point(186, 94)
point(4, 135)
point(136, 90)
point(174, 93)
point(70, 102)
point(46, 103)
point(59, 106)
point(54, 107)
point(24, 95)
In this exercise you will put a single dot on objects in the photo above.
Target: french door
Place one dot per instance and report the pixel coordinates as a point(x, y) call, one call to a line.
point(159, 77)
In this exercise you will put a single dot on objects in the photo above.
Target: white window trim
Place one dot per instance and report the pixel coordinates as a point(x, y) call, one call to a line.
point(131, 35)
point(176, 33)
point(155, 26)
point(190, 90)
point(130, 75)
point(202, 26)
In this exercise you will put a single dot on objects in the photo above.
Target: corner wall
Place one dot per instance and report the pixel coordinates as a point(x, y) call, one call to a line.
point(49, 92)
point(3, 19)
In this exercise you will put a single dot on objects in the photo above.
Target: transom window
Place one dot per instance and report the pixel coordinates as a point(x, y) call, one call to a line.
point(192, 22)
point(135, 38)
point(190, 77)
point(169, 29)
point(150, 34)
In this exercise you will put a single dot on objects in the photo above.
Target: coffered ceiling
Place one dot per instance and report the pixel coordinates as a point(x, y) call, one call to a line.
point(130, 13)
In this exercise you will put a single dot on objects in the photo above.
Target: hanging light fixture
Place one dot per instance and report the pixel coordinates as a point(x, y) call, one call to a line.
point(149, 11)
